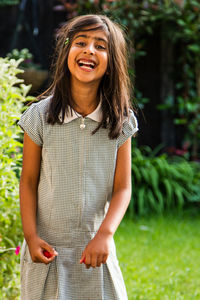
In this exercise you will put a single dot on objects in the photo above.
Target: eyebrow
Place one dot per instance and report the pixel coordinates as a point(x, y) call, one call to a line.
point(96, 38)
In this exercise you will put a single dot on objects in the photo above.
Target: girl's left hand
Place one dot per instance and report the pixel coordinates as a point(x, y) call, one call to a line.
point(97, 251)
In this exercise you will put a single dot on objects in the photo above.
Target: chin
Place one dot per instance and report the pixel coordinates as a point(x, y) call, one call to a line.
point(86, 79)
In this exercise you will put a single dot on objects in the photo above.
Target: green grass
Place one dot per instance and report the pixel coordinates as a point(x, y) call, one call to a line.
point(160, 257)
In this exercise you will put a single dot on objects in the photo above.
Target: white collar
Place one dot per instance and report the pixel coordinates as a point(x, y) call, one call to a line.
point(96, 115)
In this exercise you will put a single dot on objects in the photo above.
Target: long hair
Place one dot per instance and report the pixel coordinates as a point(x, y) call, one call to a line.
point(114, 87)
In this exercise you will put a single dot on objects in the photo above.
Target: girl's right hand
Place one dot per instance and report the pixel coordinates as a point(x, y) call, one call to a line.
point(37, 246)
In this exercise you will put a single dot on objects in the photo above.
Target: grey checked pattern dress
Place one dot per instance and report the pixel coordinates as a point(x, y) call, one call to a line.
point(74, 191)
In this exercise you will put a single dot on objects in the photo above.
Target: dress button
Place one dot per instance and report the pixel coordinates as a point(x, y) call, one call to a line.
point(82, 126)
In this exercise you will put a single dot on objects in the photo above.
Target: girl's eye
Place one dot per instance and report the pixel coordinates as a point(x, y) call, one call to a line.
point(100, 47)
point(83, 44)
point(80, 43)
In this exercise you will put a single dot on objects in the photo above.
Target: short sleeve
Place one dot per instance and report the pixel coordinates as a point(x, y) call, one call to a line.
point(130, 127)
point(31, 123)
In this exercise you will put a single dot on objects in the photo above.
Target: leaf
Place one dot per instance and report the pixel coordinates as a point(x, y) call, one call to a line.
point(169, 192)
point(131, 207)
point(194, 48)
point(9, 241)
point(181, 22)
point(145, 174)
point(136, 173)
point(160, 204)
point(152, 201)
point(178, 191)
point(154, 178)
point(141, 201)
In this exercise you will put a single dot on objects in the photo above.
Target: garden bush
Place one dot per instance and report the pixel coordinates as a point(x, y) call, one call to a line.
point(13, 94)
point(160, 183)
point(8, 2)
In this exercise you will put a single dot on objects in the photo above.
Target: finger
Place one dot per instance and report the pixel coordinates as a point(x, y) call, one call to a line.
point(94, 261)
point(82, 260)
point(99, 260)
point(87, 261)
point(40, 258)
point(48, 260)
point(105, 257)
point(44, 259)
point(49, 249)
point(88, 266)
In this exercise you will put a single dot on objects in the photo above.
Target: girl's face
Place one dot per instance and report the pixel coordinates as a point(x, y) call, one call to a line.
point(88, 56)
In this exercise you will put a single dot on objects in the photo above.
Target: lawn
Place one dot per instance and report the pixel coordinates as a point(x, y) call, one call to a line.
point(160, 256)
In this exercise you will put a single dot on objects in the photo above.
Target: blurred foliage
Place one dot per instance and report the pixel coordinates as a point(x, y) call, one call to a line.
point(12, 96)
point(161, 184)
point(27, 58)
point(9, 2)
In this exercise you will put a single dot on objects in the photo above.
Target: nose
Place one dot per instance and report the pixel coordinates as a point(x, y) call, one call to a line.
point(89, 49)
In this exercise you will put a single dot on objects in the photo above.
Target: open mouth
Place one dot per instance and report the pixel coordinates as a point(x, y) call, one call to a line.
point(90, 65)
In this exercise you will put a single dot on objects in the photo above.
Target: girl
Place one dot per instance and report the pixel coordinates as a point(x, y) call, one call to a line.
point(76, 178)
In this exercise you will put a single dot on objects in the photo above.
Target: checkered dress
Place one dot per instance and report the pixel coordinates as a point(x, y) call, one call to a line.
point(74, 191)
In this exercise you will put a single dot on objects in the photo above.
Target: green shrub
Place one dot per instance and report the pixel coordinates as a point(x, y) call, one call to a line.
point(8, 2)
point(12, 96)
point(27, 61)
point(159, 184)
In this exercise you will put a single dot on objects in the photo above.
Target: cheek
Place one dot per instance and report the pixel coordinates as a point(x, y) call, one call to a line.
point(71, 66)
point(71, 58)
point(105, 61)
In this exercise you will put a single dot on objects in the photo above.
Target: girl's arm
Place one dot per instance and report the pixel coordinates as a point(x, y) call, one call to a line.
point(96, 252)
point(28, 200)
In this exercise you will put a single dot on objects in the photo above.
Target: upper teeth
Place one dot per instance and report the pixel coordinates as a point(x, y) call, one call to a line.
point(86, 63)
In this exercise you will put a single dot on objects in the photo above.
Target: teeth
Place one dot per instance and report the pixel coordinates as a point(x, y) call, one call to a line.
point(87, 67)
point(86, 63)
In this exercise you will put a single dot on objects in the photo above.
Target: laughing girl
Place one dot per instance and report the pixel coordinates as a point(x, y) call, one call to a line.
point(76, 178)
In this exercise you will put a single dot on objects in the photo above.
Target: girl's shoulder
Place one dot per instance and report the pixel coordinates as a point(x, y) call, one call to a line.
point(37, 110)
point(33, 120)
point(40, 106)
point(131, 120)
point(129, 128)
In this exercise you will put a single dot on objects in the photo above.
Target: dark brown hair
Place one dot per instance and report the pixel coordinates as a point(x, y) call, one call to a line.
point(114, 87)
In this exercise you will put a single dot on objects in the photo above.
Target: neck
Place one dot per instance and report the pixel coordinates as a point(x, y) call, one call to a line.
point(85, 98)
